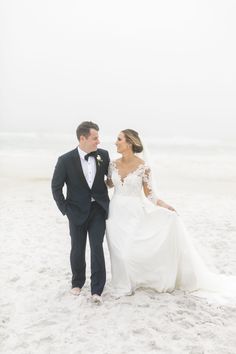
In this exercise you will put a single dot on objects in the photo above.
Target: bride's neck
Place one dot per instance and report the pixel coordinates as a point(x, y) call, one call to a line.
point(127, 156)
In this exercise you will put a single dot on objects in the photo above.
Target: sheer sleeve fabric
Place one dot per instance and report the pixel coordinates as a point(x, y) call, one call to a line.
point(109, 171)
point(109, 175)
point(148, 185)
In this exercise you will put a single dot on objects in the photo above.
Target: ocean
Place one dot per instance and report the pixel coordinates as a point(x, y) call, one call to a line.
point(204, 164)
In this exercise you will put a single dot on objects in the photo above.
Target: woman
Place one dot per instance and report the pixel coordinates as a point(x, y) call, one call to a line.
point(148, 243)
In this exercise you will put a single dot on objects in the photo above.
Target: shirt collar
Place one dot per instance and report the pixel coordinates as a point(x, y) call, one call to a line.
point(82, 153)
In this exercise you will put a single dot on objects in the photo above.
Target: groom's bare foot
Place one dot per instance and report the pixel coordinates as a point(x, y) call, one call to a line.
point(75, 291)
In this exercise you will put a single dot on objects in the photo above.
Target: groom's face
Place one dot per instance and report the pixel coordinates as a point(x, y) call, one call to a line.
point(90, 143)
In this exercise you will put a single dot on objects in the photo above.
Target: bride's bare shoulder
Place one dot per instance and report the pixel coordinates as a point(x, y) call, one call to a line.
point(115, 162)
point(140, 161)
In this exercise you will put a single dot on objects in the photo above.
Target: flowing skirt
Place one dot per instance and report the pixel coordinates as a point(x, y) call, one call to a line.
point(150, 247)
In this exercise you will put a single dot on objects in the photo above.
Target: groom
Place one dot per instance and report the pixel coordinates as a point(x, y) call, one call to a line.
point(86, 204)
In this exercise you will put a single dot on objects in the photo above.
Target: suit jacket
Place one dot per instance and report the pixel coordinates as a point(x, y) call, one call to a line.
point(77, 203)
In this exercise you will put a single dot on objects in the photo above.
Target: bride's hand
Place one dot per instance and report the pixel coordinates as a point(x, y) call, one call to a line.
point(170, 208)
point(164, 205)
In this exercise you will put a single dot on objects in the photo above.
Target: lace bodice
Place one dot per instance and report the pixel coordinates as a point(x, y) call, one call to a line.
point(132, 184)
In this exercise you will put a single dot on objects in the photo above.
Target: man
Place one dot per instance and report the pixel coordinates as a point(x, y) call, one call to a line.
point(83, 170)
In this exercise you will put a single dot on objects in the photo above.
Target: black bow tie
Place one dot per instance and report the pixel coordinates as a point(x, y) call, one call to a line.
point(92, 153)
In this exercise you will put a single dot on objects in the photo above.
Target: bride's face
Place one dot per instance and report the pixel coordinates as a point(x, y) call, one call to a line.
point(121, 143)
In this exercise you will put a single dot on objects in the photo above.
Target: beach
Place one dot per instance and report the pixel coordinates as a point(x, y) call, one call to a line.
point(38, 313)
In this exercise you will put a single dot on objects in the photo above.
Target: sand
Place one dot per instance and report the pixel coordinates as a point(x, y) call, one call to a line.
point(38, 313)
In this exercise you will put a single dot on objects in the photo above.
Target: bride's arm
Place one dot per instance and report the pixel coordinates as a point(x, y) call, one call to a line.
point(149, 193)
point(109, 183)
point(163, 204)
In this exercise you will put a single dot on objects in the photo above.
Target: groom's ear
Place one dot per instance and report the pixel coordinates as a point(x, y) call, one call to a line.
point(82, 138)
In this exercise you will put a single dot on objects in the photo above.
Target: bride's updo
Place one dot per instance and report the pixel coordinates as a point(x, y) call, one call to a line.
point(132, 138)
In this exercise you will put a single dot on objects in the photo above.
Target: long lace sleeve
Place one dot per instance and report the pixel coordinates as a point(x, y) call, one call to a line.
point(109, 175)
point(148, 185)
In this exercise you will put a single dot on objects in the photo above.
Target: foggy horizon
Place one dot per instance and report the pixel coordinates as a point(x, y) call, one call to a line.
point(164, 69)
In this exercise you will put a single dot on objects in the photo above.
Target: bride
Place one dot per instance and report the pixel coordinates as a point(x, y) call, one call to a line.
point(148, 243)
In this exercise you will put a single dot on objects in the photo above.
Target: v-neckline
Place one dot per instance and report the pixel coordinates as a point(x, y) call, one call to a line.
point(123, 178)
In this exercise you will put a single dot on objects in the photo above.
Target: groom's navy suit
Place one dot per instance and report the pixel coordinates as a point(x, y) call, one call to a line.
point(87, 210)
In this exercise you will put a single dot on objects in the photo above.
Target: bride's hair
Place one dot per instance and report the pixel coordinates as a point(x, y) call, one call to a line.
point(132, 137)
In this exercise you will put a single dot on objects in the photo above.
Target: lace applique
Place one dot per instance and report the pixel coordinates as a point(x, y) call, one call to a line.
point(110, 168)
point(137, 172)
point(148, 184)
point(133, 183)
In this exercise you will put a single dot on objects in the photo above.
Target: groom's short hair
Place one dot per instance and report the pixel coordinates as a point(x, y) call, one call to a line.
point(84, 129)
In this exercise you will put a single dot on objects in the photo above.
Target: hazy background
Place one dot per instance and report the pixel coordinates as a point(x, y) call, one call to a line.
point(166, 68)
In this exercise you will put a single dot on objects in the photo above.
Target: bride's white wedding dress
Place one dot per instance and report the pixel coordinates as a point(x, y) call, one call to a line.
point(148, 244)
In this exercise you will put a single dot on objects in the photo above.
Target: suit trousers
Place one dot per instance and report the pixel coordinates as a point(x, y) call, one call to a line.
point(95, 228)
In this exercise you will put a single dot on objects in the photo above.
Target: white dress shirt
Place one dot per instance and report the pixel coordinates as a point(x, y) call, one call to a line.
point(89, 167)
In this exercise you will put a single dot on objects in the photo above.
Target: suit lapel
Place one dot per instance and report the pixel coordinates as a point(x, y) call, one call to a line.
point(96, 174)
point(79, 168)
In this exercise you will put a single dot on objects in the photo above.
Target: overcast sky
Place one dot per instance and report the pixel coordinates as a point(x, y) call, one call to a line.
point(166, 68)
